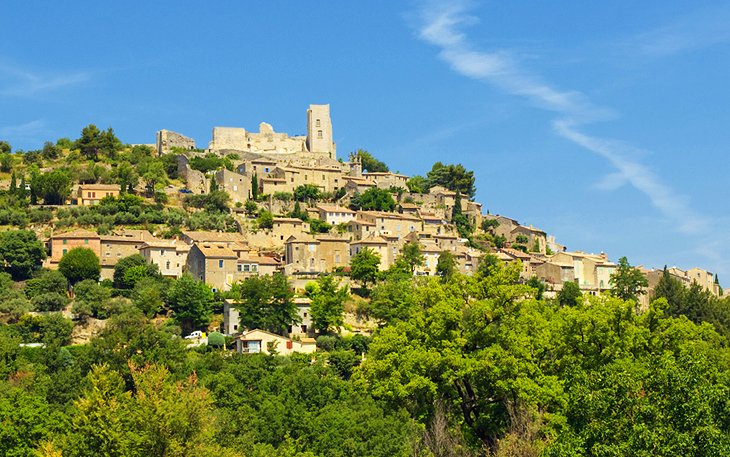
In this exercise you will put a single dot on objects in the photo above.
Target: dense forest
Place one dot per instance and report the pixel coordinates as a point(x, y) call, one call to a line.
point(458, 366)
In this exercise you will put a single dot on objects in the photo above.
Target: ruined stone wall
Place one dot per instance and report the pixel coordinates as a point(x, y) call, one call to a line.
point(167, 139)
point(195, 180)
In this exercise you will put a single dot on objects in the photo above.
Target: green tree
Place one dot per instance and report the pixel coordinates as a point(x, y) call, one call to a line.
point(21, 252)
point(255, 187)
point(47, 281)
point(89, 143)
point(364, 267)
point(628, 282)
point(265, 220)
point(126, 176)
point(148, 295)
point(446, 265)
point(459, 219)
point(54, 187)
point(569, 294)
point(417, 184)
point(78, 264)
point(50, 151)
point(672, 290)
point(91, 299)
point(5, 147)
point(307, 192)
point(370, 163)
point(153, 173)
point(539, 286)
point(13, 189)
point(328, 304)
point(191, 302)
point(6, 162)
point(265, 302)
point(412, 256)
point(452, 177)
point(250, 207)
point(373, 199)
point(158, 416)
point(131, 269)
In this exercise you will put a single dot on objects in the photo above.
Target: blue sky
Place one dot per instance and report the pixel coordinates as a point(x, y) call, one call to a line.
point(604, 123)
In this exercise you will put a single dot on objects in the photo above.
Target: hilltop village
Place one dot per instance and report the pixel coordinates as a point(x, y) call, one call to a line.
point(289, 204)
point(267, 296)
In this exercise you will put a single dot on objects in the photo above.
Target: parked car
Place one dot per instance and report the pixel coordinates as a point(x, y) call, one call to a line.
point(185, 191)
point(194, 335)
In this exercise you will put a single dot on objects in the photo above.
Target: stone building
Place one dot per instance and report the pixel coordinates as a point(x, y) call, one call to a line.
point(335, 215)
point(318, 143)
point(387, 180)
point(170, 256)
point(120, 244)
point(306, 254)
point(91, 194)
point(213, 263)
point(236, 185)
point(61, 243)
point(166, 140)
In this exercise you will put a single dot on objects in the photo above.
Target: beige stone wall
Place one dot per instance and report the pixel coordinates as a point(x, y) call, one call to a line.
point(166, 140)
point(236, 185)
point(60, 246)
point(319, 131)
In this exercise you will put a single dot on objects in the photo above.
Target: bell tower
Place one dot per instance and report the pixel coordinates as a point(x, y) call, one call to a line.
point(319, 131)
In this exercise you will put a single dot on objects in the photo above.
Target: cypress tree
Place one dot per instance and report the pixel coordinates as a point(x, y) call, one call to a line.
point(13, 185)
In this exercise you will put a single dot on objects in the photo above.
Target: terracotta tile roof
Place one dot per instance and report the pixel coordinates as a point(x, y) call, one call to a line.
point(335, 209)
point(216, 250)
point(99, 187)
point(199, 236)
point(78, 233)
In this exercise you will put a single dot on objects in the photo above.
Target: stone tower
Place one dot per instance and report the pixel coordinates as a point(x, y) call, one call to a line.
point(319, 131)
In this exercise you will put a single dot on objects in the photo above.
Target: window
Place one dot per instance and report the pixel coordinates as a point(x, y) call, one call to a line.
point(65, 251)
point(240, 268)
point(318, 123)
point(220, 264)
point(86, 241)
point(167, 265)
point(305, 314)
point(311, 262)
point(64, 241)
point(247, 268)
point(254, 267)
point(304, 329)
point(319, 134)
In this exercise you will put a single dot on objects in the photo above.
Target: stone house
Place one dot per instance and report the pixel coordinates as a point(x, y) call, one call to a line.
point(61, 243)
point(306, 254)
point(170, 256)
point(120, 244)
point(213, 263)
point(236, 185)
point(335, 215)
point(592, 271)
point(190, 237)
point(379, 246)
point(393, 224)
point(91, 194)
point(357, 185)
point(387, 180)
point(261, 341)
point(555, 273)
point(232, 321)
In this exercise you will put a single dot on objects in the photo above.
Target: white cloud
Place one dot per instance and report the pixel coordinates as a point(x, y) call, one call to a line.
point(700, 29)
point(18, 82)
point(28, 130)
point(442, 25)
